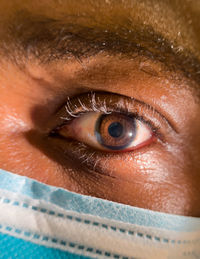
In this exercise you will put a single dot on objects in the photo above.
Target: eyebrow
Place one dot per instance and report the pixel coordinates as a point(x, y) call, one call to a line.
point(49, 39)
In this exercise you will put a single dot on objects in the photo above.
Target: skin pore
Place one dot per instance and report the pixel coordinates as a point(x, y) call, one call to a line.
point(145, 52)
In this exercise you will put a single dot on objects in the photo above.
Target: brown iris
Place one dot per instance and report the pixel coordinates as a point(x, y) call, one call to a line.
point(115, 131)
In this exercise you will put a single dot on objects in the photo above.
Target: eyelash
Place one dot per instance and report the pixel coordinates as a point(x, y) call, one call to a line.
point(94, 108)
point(72, 113)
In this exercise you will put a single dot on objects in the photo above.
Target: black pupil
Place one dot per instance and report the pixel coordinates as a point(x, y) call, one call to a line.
point(115, 129)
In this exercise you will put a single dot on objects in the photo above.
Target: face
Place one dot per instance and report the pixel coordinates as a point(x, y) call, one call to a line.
point(102, 98)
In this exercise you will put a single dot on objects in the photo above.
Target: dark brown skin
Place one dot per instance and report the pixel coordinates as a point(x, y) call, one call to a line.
point(162, 175)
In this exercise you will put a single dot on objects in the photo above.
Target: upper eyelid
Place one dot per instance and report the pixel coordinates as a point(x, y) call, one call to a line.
point(149, 107)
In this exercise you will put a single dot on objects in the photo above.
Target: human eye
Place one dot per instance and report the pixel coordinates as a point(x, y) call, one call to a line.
point(107, 126)
point(99, 127)
point(114, 132)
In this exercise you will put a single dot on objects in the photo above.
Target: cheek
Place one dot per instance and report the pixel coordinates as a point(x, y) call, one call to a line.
point(153, 179)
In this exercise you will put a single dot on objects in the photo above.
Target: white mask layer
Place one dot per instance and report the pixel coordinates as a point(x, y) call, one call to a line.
point(71, 223)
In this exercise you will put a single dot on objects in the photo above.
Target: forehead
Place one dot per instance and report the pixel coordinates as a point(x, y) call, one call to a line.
point(176, 20)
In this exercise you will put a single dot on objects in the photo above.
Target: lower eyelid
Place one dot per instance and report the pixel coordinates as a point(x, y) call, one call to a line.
point(93, 161)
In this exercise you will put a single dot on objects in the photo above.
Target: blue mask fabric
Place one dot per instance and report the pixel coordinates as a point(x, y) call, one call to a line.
point(42, 221)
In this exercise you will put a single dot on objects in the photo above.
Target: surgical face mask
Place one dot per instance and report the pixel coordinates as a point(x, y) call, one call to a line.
point(41, 221)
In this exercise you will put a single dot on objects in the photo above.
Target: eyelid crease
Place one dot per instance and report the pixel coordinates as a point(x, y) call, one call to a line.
point(73, 112)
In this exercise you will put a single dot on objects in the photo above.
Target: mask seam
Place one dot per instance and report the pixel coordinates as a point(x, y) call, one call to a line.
point(28, 235)
point(95, 223)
